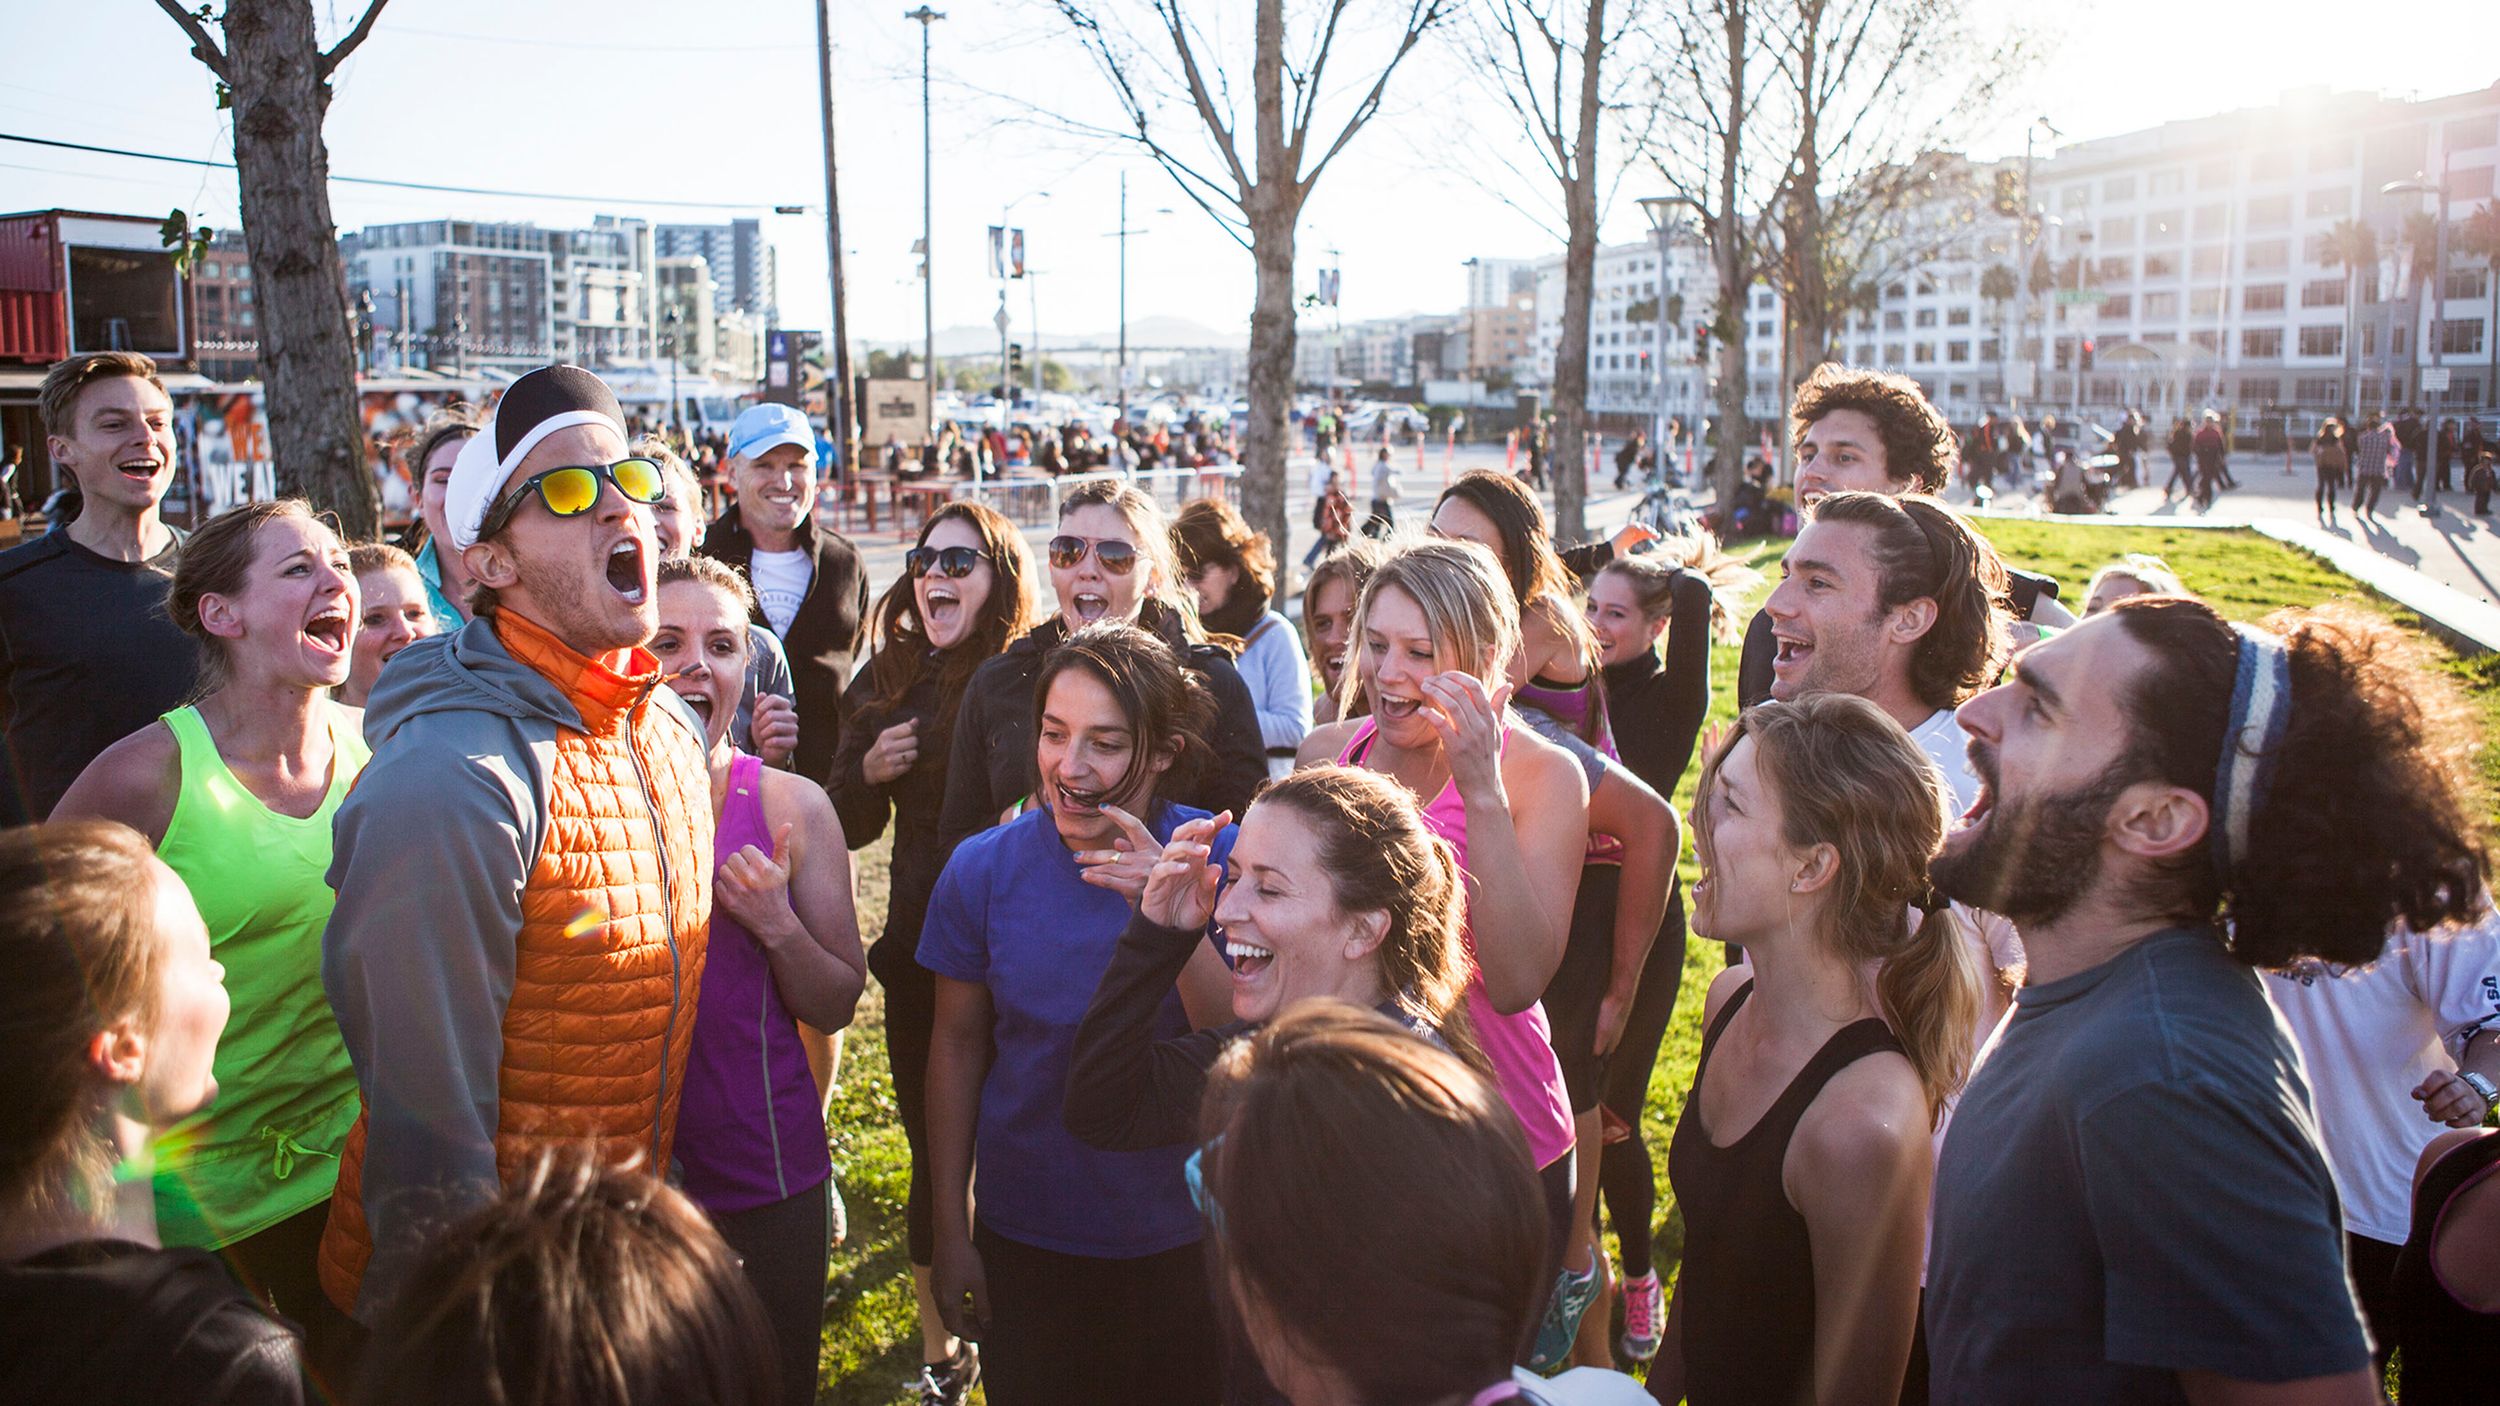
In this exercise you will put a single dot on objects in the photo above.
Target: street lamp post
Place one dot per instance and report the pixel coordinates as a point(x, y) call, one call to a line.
point(2034, 217)
point(928, 247)
point(1656, 208)
point(676, 403)
point(2439, 306)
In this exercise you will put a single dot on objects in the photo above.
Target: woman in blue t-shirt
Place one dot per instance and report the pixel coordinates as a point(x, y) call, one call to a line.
point(1083, 1271)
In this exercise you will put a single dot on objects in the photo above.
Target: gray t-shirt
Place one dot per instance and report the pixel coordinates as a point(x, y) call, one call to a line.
point(2132, 1187)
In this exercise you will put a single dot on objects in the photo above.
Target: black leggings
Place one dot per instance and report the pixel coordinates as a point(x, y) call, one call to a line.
point(2372, 1264)
point(1078, 1330)
point(1626, 1177)
point(2330, 483)
point(1579, 984)
point(910, 1018)
point(2179, 477)
point(277, 1266)
point(2365, 492)
point(781, 1247)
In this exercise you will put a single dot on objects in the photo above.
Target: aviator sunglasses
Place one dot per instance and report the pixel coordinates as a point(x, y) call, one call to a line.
point(954, 563)
point(1118, 558)
point(574, 490)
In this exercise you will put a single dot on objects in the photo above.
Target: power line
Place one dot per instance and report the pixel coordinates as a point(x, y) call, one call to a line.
point(404, 185)
point(525, 42)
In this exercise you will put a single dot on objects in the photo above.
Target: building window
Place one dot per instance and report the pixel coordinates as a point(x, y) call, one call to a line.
point(2074, 196)
point(2267, 254)
point(2262, 297)
point(2322, 293)
point(1988, 349)
point(2118, 306)
point(2118, 188)
point(243, 295)
point(1923, 353)
point(2312, 391)
point(2212, 219)
point(2210, 340)
point(2214, 174)
point(209, 269)
point(2207, 260)
point(1762, 329)
point(2161, 265)
point(2461, 337)
point(1957, 317)
point(2167, 181)
point(1866, 353)
point(1894, 321)
point(1960, 351)
point(1762, 299)
point(2333, 154)
point(1892, 353)
point(2118, 229)
point(2323, 340)
point(2262, 343)
point(2465, 282)
point(2329, 200)
point(2261, 390)
point(2117, 268)
point(2272, 165)
point(243, 318)
point(1926, 317)
point(2205, 302)
point(2469, 132)
point(2161, 307)
point(2471, 183)
point(2270, 212)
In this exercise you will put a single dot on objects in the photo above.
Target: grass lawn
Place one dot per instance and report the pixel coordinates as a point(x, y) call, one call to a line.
point(871, 1343)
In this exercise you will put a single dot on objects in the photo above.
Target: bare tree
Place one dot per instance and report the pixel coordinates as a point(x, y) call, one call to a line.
point(1548, 61)
point(273, 71)
point(1256, 195)
point(1710, 151)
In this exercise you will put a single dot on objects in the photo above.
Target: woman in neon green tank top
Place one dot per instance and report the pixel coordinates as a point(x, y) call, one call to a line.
point(237, 792)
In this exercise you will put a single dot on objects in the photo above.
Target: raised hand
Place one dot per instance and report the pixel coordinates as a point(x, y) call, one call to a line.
point(1180, 888)
point(1123, 867)
point(1469, 721)
point(754, 888)
point(774, 728)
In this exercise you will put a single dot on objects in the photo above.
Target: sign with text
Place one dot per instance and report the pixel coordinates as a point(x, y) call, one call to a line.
point(895, 409)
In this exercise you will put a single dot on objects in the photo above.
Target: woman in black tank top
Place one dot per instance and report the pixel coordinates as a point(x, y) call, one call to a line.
point(2448, 1347)
point(1805, 1216)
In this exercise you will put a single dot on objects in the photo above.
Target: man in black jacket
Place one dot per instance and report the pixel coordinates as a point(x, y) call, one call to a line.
point(810, 589)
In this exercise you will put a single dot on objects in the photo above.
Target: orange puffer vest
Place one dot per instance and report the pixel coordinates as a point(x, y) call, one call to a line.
point(610, 953)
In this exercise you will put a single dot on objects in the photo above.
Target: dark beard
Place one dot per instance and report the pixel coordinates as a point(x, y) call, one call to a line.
point(2034, 859)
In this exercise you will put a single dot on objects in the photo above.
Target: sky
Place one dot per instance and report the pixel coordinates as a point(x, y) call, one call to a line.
point(641, 100)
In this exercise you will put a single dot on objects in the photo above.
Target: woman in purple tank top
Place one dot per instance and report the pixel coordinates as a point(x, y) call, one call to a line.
point(784, 948)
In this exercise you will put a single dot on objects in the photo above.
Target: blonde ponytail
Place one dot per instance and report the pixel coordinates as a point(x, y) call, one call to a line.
point(1929, 989)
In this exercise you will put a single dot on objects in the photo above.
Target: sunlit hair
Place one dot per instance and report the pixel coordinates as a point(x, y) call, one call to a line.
point(1351, 561)
point(2149, 572)
point(1165, 604)
point(1168, 709)
point(1373, 1206)
point(1651, 576)
point(580, 1284)
point(708, 571)
point(217, 561)
point(1844, 774)
point(366, 558)
point(78, 939)
point(2372, 817)
point(1467, 609)
point(680, 474)
point(901, 640)
point(69, 378)
point(1539, 582)
point(1381, 858)
point(1922, 548)
point(1211, 532)
point(1919, 445)
point(452, 423)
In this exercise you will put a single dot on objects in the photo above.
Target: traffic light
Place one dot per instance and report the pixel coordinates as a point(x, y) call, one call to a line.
point(1701, 341)
point(1015, 360)
point(2086, 363)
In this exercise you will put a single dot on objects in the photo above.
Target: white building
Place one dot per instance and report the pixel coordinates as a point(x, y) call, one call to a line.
point(1641, 316)
point(745, 269)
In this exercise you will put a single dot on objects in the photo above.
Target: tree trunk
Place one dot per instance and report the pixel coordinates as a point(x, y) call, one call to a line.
point(307, 361)
point(1728, 256)
point(1571, 355)
point(1274, 207)
point(1808, 294)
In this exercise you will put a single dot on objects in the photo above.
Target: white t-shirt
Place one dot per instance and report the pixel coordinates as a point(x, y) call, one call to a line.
point(1942, 739)
point(781, 580)
point(2368, 1036)
point(1581, 1386)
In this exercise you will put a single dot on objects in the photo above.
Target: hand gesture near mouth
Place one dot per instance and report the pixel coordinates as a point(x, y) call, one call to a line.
point(1469, 720)
point(1123, 867)
point(1180, 888)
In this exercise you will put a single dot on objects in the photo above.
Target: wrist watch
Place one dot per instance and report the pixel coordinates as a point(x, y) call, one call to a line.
point(2484, 1088)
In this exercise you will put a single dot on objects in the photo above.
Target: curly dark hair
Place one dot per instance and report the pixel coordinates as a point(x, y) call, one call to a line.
point(1923, 548)
point(1919, 446)
point(2370, 818)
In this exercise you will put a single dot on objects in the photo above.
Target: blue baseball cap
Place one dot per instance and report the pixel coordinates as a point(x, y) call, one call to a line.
point(761, 427)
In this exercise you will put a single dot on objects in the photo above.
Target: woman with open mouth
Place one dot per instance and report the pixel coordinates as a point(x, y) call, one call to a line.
point(1804, 1157)
point(966, 592)
point(1328, 597)
point(1434, 635)
point(1111, 560)
point(1335, 888)
point(1083, 1269)
point(237, 792)
point(784, 948)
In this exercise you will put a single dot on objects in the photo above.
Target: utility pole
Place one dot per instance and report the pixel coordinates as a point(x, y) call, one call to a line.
point(928, 246)
point(842, 424)
point(1124, 300)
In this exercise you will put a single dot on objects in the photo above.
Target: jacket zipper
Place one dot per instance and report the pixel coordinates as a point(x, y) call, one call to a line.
point(668, 929)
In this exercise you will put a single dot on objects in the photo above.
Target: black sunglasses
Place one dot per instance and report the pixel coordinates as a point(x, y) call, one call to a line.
point(1118, 558)
point(574, 490)
point(955, 563)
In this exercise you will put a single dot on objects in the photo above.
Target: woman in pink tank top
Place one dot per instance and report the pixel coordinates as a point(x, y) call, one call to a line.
point(1435, 621)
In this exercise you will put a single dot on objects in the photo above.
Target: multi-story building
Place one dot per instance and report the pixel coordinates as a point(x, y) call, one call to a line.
point(742, 262)
point(689, 319)
point(1501, 338)
point(1635, 287)
point(602, 311)
point(455, 295)
point(2212, 271)
point(225, 331)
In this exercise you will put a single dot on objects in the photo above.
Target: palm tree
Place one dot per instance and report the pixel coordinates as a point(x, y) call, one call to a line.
point(2481, 240)
point(2353, 246)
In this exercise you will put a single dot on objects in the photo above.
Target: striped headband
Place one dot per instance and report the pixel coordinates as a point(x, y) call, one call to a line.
point(2261, 710)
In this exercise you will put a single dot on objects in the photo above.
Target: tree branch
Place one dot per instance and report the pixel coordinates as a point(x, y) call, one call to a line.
point(1420, 18)
point(203, 47)
point(355, 37)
